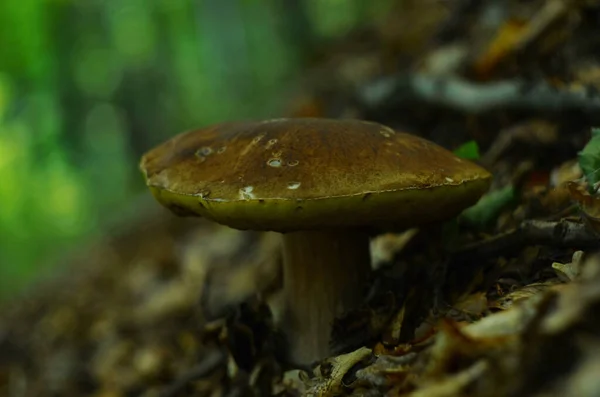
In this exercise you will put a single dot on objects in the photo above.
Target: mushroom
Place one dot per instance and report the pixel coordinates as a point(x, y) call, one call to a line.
point(321, 183)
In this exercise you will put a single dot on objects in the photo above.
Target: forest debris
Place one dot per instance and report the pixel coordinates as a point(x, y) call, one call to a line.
point(492, 353)
point(585, 381)
point(588, 205)
point(533, 133)
point(388, 371)
point(225, 287)
point(454, 344)
point(294, 382)
point(569, 271)
point(508, 322)
point(166, 301)
point(329, 374)
point(460, 94)
point(391, 335)
point(473, 305)
point(445, 61)
point(505, 42)
point(351, 330)
point(563, 233)
point(455, 385)
point(566, 172)
point(577, 298)
point(384, 247)
point(516, 35)
point(518, 294)
point(550, 203)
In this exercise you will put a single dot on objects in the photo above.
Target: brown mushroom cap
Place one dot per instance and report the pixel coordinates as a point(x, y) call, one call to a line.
point(297, 174)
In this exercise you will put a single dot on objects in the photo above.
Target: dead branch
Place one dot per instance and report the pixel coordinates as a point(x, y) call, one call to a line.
point(460, 94)
point(563, 233)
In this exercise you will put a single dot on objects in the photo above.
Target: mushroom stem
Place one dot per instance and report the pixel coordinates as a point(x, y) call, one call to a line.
point(324, 276)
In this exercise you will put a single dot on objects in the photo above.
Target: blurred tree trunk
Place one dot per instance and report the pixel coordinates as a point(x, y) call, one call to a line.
point(296, 27)
point(73, 106)
point(139, 98)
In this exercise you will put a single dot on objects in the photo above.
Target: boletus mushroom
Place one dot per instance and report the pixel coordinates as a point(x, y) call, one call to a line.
point(321, 183)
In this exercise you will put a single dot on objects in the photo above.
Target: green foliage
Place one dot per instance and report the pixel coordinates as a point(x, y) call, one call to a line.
point(589, 160)
point(489, 207)
point(468, 150)
point(86, 87)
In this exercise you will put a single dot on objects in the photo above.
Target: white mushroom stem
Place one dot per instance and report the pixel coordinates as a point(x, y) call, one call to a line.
point(325, 273)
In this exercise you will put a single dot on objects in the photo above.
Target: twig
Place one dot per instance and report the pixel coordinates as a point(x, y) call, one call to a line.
point(535, 133)
point(463, 95)
point(564, 233)
point(551, 11)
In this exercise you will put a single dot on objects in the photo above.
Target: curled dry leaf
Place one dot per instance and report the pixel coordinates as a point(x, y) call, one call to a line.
point(552, 201)
point(503, 44)
point(522, 293)
point(516, 34)
point(454, 385)
point(566, 172)
point(569, 271)
point(532, 133)
point(472, 306)
point(392, 333)
point(453, 345)
point(386, 246)
point(293, 383)
point(388, 371)
point(509, 322)
point(589, 205)
point(329, 375)
point(576, 298)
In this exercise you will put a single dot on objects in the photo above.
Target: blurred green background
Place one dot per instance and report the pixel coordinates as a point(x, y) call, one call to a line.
point(87, 86)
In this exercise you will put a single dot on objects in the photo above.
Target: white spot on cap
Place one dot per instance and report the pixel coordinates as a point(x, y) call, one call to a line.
point(387, 131)
point(274, 120)
point(293, 185)
point(246, 193)
point(449, 180)
point(276, 163)
point(205, 151)
point(270, 144)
